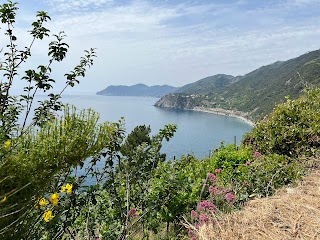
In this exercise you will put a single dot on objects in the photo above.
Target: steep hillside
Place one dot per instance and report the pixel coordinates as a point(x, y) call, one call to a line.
point(137, 90)
point(255, 93)
point(208, 84)
point(258, 92)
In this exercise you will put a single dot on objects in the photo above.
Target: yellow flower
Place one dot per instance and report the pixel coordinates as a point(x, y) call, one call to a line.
point(67, 188)
point(54, 198)
point(40, 202)
point(4, 199)
point(7, 144)
point(47, 216)
point(43, 202)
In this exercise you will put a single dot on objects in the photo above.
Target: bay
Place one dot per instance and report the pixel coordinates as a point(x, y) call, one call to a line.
point(198, 133)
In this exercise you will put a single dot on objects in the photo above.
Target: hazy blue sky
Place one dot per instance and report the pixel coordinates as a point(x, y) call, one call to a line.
point(173, 42)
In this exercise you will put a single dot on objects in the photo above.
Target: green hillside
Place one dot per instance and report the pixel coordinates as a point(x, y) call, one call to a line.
point(208, 84)
point(257, 92)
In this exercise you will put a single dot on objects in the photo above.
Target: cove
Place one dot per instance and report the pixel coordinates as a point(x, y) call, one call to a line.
point(197, 134)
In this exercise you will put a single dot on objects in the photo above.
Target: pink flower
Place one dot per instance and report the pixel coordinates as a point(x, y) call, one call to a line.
point(256, 154)
point(229, 197)
point(205, 205)
point(194, 214)
point(191, 234)
point(203, 217)
point(201, 206)
point(212, 178)
point(211, 189)
point(248, 163)
point(218, 170)
point(193, 238)
point(132, 212)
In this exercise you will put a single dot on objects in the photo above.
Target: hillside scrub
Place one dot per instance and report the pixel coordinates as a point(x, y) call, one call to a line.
point(284, 145)
point(135, 193)
point(292, 129)
point(292, 213)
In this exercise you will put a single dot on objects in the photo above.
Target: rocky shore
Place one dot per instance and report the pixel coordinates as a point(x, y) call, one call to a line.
point(189, 102)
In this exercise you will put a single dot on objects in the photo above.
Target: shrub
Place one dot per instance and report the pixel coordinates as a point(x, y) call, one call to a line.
point(292, 129)
point(34, 160)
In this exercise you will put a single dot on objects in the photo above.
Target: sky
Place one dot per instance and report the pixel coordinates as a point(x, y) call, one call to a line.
point(172, 42)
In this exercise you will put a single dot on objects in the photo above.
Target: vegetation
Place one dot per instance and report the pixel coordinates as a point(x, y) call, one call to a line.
point(208, 84)
point(292, 129)
point(254, 93)
point(137, 90)
point(70, 177)
point(292, 213)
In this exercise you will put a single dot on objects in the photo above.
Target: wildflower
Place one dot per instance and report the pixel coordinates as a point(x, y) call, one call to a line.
point(201, 207)
point(194, 214)
point(248, 163)
point(47, 216)
point(43, 202)
point(212, 177)
point(211, 189)
point(218, 170)
point(256, 154)
point(203, 217)
point(67, 188)
point(205, 205)
point(7, 144)
point(54, 198)
point(132, 212)
point(229, 197)
point(4, 199)
point(191, 233)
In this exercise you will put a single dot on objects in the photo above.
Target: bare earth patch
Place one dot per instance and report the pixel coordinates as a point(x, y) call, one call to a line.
point(292, 213)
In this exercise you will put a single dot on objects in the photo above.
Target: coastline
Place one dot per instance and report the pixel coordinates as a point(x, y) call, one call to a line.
point(230, 113)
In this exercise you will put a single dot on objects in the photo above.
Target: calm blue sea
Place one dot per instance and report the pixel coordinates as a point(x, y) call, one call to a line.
point(197, 132)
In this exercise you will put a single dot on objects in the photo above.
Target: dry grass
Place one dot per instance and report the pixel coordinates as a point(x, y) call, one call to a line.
point(292, 213)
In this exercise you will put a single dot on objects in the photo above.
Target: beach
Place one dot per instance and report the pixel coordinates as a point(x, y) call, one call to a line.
point(230, 113)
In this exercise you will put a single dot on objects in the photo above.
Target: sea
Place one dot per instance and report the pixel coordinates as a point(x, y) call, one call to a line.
point(198, 133)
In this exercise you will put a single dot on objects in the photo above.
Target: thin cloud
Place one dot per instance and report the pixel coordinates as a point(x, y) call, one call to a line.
point(158, 42)
point(76, 5)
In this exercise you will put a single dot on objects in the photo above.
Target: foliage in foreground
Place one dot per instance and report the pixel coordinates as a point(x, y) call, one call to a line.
point(292, 129)
point(70, 177)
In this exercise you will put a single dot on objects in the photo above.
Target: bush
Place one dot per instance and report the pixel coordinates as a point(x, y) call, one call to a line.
point(292, 129)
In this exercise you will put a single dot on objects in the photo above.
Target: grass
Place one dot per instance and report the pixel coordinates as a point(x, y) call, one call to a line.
point(292, 213)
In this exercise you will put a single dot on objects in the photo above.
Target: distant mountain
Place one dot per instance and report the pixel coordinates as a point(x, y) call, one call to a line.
point(140, 90)
point(255, 93)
